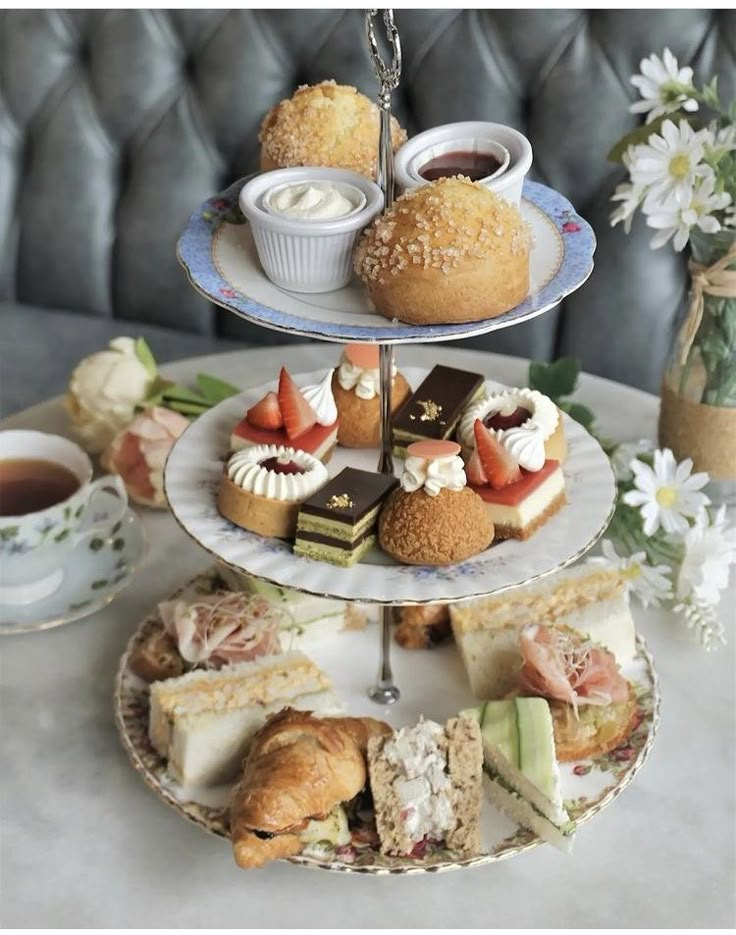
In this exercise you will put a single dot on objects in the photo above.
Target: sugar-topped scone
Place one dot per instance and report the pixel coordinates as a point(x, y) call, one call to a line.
point(325, 124)
point(356, 388)
point(433, 518)
point(449, 251)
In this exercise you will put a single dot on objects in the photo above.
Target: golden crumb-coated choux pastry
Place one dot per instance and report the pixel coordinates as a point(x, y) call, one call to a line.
point(433, 518)
point(356, 389)
point(449, 251)
point(325, 124)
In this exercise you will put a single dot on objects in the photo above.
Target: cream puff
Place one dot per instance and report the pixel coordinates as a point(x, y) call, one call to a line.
point(325, 124)
point(449, 251)
point(356, 388)
point(434, 518)
point(263, 486)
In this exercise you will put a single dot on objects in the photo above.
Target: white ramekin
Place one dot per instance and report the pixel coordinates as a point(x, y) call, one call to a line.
point(307, 256)
point(508, 185)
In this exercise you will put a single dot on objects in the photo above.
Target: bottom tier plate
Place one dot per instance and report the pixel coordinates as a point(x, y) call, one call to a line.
point(348, 658)
point(194, 471)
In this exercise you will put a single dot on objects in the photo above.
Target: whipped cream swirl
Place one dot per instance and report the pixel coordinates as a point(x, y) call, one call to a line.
point(246, 470)
point(315, 201)
point(433, 475)
point(321, 399)
point(366, 382)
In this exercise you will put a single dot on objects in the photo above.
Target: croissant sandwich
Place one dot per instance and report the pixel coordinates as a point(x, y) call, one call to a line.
point(298, 773)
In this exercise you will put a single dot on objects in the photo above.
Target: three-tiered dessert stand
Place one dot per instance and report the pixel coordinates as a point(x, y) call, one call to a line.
point(218, 254)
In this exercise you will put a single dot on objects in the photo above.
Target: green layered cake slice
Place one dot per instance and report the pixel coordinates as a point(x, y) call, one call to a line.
point(338, 524)
point(523, 777)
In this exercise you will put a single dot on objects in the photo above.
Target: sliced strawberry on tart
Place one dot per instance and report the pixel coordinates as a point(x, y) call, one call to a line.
point(304, 419)
point(519, 501)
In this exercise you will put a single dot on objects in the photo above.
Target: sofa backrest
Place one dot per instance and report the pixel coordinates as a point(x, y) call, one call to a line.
point(115, 125)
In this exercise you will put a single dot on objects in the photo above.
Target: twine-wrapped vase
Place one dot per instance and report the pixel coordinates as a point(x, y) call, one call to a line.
point(698, 410)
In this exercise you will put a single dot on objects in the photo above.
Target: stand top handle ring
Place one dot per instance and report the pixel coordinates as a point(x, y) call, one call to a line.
point(388, 75)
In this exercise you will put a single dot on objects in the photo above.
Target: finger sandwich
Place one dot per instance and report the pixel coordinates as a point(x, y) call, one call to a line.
point(203, 722)
point(522, 776)
point(589, 599)
point(426, 782)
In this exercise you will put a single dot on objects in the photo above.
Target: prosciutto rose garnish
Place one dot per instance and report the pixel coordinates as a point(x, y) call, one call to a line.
point(223, 628)
point(561, 664)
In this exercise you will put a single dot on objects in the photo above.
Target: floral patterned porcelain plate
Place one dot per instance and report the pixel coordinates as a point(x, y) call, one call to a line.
point(95, 572)
point(192, 478)
point(347, 657)
point(219, 256)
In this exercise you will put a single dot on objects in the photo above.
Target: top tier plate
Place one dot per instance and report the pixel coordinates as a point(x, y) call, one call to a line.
point(219, 256)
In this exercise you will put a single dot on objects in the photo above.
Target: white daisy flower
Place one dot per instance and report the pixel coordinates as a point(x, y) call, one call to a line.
point(625, 453)
point(710, 548)
point(669, 163)
point(723, 141)
point(667, 493)
point(664, 87)
point(650, 583)
point(630, 196)
point(678, 220)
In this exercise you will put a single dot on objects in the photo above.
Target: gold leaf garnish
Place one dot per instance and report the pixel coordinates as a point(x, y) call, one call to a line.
point(431, 411)
point(339, 501)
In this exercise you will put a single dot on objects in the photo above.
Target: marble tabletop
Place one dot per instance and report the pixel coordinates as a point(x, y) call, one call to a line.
point(84, 843)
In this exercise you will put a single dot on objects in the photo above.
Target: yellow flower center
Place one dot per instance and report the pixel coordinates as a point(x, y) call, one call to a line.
point(666, 496)
point(633, 571)
point(679, 166)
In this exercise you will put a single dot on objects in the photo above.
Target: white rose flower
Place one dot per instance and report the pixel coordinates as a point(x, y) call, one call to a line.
point(104, 390)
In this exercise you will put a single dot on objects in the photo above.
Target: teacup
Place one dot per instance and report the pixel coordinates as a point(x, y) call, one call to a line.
point(35, 544)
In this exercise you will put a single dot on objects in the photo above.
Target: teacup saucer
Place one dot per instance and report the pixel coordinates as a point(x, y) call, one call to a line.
point(95, 572)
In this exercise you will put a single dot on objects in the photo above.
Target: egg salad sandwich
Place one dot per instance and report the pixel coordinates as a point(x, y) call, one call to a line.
point(203, 722)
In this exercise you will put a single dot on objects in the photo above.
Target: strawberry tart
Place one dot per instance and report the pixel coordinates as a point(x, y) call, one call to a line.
point(356, 386)
point(433, 518)
point(518, 500)
point(526, 422)
point(263, 487)
point(305, 419)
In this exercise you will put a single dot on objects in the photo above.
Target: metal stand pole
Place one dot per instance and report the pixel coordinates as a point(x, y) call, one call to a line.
point(385, 691)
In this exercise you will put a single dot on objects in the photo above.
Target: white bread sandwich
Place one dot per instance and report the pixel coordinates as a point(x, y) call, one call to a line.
point(586, 598)
point(203, 722)
point(522, 776)
point(426, 782)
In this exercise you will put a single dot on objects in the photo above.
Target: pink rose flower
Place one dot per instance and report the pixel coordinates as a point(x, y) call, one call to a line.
point(138, 453)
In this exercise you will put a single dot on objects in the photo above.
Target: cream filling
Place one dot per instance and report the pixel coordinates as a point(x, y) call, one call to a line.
point(245, 470)
point(532, 506)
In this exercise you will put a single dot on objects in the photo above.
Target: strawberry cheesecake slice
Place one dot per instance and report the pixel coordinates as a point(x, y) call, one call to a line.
point(519, 501)
point(304, 419)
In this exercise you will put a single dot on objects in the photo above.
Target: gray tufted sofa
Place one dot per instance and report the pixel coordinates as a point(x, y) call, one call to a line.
point(114, 125)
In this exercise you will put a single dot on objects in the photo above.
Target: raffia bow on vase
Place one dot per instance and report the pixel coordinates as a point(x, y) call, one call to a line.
point(698, 412)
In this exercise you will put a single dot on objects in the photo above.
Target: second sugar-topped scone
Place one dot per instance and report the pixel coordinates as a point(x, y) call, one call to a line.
point(433, 518)
point(449, 251)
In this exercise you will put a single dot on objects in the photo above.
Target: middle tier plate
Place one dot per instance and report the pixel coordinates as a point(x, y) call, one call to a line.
point(194, 470)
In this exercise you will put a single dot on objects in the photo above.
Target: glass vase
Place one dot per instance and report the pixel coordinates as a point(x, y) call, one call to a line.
point(697, 416)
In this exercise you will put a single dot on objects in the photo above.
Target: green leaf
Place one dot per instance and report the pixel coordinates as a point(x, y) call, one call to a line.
point(100, 583)
point(580, 413)
point(96, 544)
point(118, 545)
point(556, 379)
point(9, 532)
point(710, 93)
point(188, 409)
point(176, 394)
point(635, 137)
point(214, 389)
point(144, 355)
point(59, 537)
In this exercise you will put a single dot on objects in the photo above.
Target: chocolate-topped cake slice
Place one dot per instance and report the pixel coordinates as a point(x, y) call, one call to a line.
point(434, 408)
point(338, 524)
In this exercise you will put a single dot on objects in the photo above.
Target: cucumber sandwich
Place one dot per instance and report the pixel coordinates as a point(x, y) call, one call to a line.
point(522, 776)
